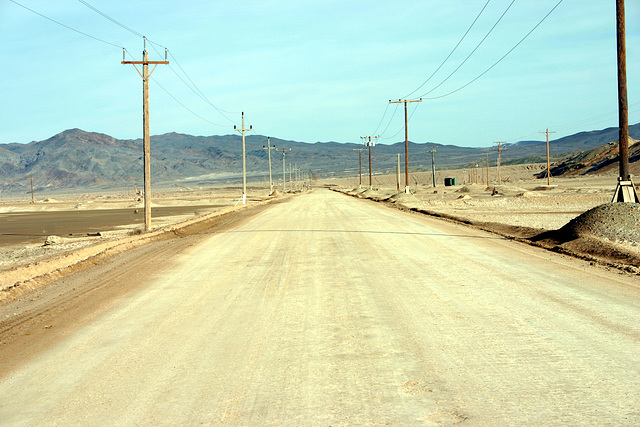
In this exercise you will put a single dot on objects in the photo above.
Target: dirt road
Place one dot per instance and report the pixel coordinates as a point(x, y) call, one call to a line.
point(327, 310)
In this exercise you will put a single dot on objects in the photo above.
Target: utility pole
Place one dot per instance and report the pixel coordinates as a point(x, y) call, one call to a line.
point(499, 151)
point(370, 144)
point(548, 161)
point(33, 200)
point(146, 145)
point(406, 139)
point(360, 150)
point(433, 163)
point(268, 147)
point(284, 173)
point(625, 190)
point(244, 161)
point(487, 154)
point(398, 174)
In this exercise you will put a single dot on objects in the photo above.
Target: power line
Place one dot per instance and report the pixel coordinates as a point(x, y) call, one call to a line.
point(504, 56)
point(184, 106)
point(110, 18)
point(66, 26)
point(450, 53)
point(474, 50)
point(193, 88)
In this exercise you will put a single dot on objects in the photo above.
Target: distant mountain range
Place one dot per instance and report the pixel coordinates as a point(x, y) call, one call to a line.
point(76, 160)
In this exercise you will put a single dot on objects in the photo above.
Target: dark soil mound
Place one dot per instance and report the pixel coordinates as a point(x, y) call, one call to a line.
point(617, 222)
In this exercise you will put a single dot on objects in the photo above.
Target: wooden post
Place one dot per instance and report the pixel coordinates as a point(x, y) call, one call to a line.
point(268, 147)
point(433, 164)
point(548, 159)
point(499, 160)
point(398, 174)
point(33, 200)
point(244, 161)
point(406, 139)
point(146, 138)
point(284, 169)
point(623, 112)
point(359, 150)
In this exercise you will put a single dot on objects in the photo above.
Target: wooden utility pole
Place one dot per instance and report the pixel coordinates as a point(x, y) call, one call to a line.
point(433, 163)
point(284, 169)
point(33, 200)
point(499, 151)
point(360, 150)
point(146, 145)
point(398, 174)
point(487, 154)
point(548, 160)
point(623, 112)
point(625, 191)
point(268, 147)
point(406, 139)
point(370, 144)
point(244, 161)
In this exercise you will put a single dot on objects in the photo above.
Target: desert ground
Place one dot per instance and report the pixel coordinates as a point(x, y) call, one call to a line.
point(323, 309)
point(519, 206)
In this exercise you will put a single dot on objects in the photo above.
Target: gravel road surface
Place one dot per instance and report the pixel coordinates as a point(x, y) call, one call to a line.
point(328, 310)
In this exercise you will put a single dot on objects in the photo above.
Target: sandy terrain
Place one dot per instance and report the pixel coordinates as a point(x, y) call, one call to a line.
point(522, 207)
point(327, 310)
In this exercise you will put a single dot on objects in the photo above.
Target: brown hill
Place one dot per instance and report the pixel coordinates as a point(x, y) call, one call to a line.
point(601, 160)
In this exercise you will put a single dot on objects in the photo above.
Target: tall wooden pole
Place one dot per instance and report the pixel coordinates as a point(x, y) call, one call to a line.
point(433, 164)
point(33, 200)
point(359, 150)
point(244, 161)
point(268, 147)
point(398, 174)
point(146, 144)
point(499, 160)
point(548, 158)
point(623, 119)
point(146, 138)
point(370, 144)
point(284, 169)
point(406, 139)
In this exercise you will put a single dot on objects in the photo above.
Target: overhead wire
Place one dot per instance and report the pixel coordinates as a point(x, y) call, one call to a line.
point(153, 44)
point(499, 60)
point(66, 26)
point(450, 53)
point(472, 52)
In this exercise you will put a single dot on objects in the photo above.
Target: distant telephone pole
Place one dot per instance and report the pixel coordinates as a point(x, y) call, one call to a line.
point(33, 200)
point(360, 150)
point(487, 154)
point(433, 163)
point(268, 147)
point(499, 151)
point(244, 161)
point(370, 144)
point(284, 169)
point(548, 160)
point(406, 139)
point(146, 145)
point(398, 174)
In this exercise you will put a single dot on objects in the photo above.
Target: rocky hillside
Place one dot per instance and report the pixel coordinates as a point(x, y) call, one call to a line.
point(75, 159)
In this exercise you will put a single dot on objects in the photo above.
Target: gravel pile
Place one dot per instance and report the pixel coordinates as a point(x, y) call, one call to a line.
point(617, 222)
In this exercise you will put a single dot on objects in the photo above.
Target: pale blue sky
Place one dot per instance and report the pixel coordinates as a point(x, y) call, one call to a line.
point(317, 70)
